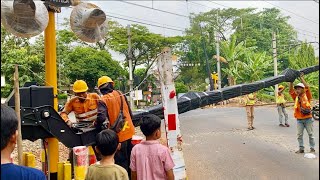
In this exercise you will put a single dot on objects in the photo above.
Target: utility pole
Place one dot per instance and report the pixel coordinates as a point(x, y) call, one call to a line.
point(275, 61)
point(130, 67)
point(207, 63)
point(17, 109)
point(218, 57)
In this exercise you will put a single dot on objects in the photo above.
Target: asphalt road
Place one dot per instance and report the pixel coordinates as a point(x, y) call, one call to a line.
point(217, 145)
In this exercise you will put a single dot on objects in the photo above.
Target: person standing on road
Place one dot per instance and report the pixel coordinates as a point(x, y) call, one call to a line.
point(281, 106)
point(250, 100)
point(120, 117)
point(302, 96)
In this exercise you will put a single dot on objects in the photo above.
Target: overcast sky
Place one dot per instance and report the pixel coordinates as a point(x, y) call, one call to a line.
point(304, 14)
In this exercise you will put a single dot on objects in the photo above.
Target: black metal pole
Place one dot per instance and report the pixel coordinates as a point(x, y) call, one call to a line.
point(207, 63)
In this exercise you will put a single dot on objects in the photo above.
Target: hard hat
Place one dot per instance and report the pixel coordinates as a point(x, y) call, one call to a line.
point(299, 85)
point(281, 87)
point(80, 86)
point(104, 80)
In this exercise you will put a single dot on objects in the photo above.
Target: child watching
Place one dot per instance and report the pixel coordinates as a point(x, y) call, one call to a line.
point(107, 143)
point(150, 160)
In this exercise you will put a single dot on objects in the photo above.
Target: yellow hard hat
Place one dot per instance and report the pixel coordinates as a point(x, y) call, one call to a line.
point(104, 80)
point(281, 87)
point(80, 86)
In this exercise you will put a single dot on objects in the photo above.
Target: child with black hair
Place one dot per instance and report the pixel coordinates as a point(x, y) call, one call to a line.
point(150, 160)
point(107, 144)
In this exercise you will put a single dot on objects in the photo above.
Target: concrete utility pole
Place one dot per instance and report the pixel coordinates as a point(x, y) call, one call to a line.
point(218, 54)
point(207, 63)
point(218, 61)
point(275, 61)
point(17, 109)
point(130, 67)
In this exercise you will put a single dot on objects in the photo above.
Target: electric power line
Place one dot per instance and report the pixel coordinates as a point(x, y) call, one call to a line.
point(144, 20)
point(155, 25)
point(219, 4)
point(155, 9)
point(291, 12)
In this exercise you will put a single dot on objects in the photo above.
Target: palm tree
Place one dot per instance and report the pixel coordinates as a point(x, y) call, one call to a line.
point(255, 66)
point(233, 52)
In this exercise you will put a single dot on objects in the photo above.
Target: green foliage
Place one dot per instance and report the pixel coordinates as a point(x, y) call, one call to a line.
point(181, 87)
point(302, 56)
point(145, 46)
point(90, 64)
point(29, 58)
point(265, 97)
point(62, 96)
point(140, 76)
point(254, 67)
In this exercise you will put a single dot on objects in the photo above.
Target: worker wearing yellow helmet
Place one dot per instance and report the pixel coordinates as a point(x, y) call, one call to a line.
point(281, 106)
point(87, 107)
point(120, 117)
point(84, 105)
point(250, 100)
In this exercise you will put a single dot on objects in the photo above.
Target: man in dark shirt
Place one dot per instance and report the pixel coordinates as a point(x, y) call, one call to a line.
point(9, 134)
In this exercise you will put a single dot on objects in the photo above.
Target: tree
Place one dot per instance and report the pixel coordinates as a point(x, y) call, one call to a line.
point(254, 67)
point(90, 64)
point(255, 29)
point(233, 52)
point(181, 87)
point(15, 50)
point(143, 81)
point(301, 57)
point(146, 46)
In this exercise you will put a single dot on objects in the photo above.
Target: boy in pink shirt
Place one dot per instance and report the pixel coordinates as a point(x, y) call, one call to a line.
point(150, 160)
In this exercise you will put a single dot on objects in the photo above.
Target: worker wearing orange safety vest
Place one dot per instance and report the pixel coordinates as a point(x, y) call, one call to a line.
point(121, 123)
point(281, 106)
point(250, 100)
point(302, 112)
point(87, 107)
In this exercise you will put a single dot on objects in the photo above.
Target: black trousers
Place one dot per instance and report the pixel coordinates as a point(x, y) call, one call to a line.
point(122, 157)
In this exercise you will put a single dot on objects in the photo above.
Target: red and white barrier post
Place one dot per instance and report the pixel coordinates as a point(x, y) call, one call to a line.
point(172, 124)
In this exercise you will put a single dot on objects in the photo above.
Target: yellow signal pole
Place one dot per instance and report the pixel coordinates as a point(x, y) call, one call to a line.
point(51, 80)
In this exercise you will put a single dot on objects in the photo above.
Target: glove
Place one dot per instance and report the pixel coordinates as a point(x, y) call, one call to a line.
point(69, 123)
point(105, 125)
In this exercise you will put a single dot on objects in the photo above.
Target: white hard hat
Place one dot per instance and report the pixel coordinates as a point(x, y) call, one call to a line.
point(299, 85)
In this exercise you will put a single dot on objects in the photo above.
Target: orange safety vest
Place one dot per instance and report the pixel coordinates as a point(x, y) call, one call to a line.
point(84, 111)
point(113, 103)
point(305, 103)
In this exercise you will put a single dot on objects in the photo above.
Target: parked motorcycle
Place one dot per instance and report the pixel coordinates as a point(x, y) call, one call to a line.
point(315, 111)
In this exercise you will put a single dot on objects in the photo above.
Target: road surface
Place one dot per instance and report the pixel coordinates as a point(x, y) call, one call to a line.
point(217, 145)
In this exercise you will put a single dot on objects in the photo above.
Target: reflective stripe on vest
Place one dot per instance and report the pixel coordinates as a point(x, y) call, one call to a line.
point(89, 113)
point(88, 119)
point(87, 116)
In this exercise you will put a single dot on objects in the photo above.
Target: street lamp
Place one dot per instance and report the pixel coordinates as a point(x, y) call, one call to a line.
point(201, 25)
